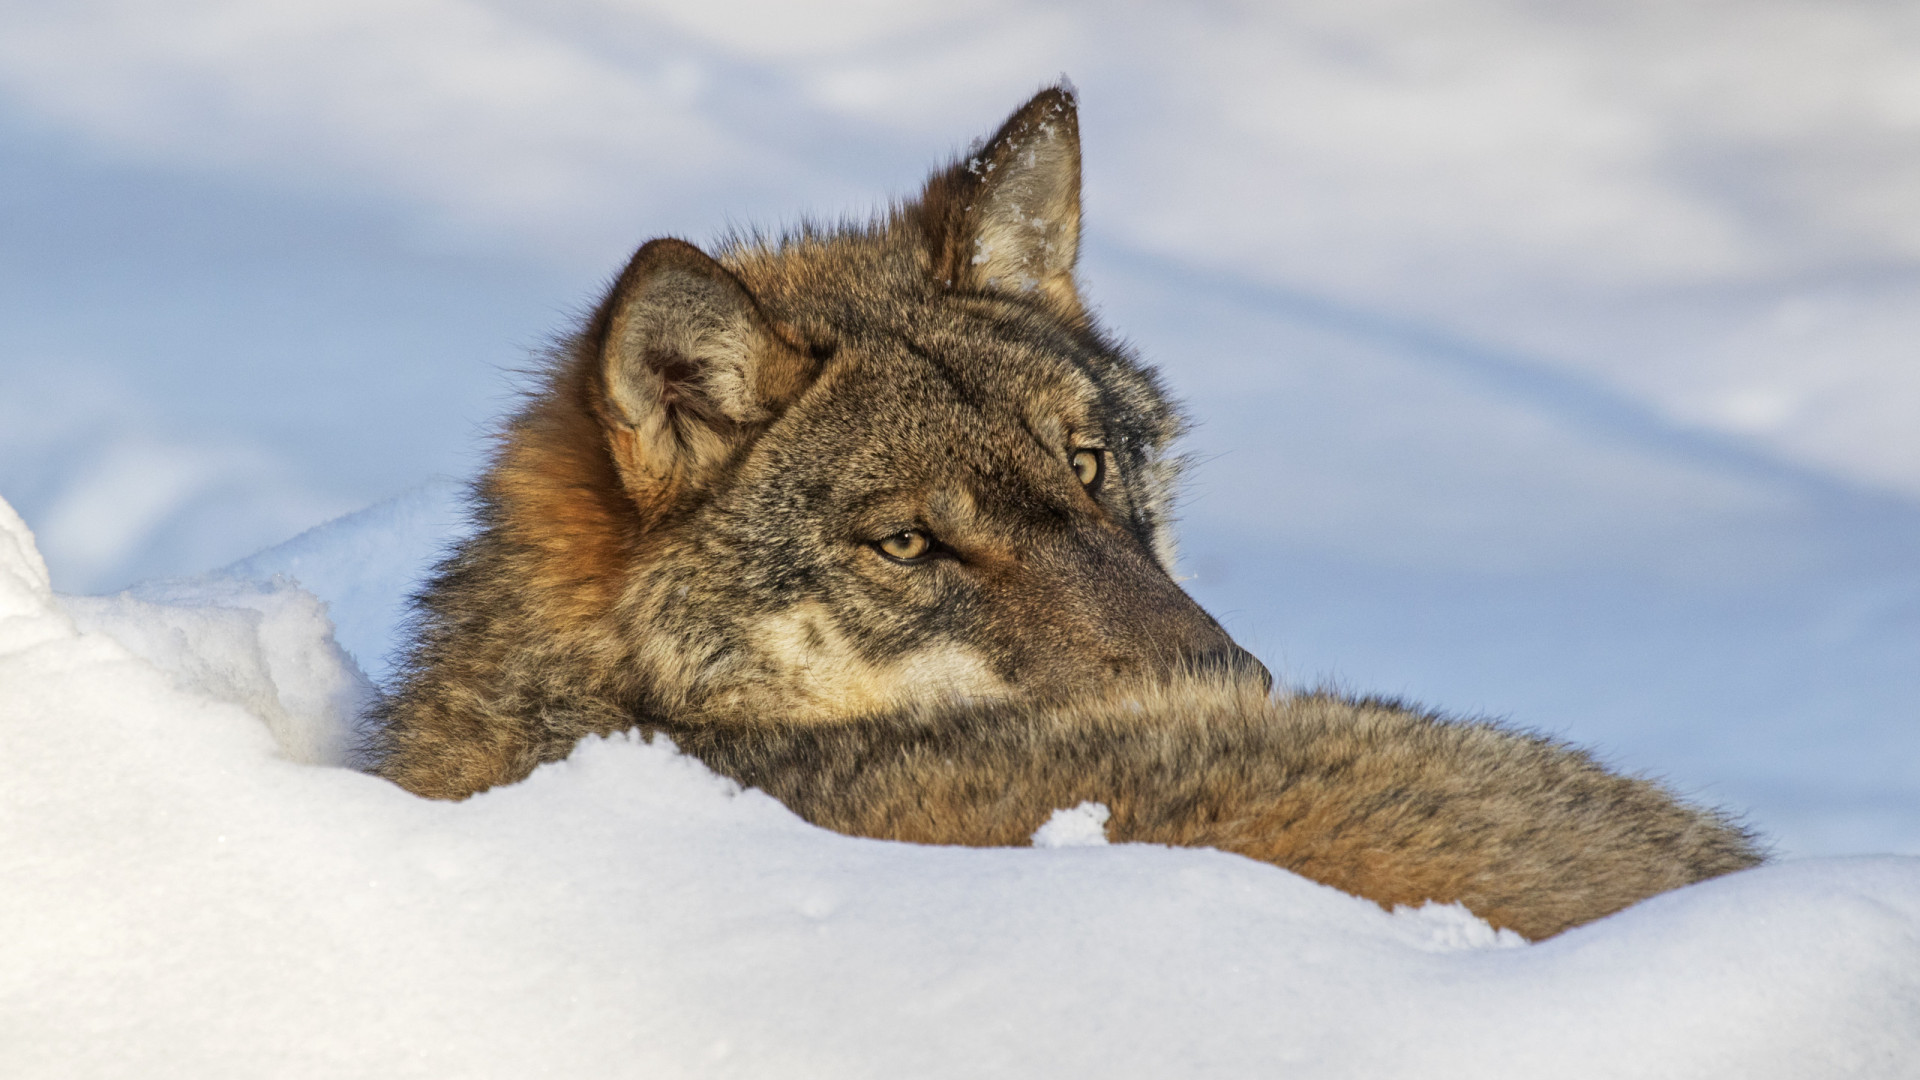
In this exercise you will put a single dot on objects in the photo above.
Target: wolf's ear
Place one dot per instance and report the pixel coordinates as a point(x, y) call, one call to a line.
point(690, 369)
point(1008, 217)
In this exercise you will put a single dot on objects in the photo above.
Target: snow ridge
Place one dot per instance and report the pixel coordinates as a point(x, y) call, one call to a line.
point(184, 898)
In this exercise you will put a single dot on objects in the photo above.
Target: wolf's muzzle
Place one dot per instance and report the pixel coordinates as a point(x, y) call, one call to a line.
point(1235, 663)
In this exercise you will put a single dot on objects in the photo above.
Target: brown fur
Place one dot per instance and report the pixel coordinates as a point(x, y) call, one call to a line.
point(693, 526)
point(1388, 803)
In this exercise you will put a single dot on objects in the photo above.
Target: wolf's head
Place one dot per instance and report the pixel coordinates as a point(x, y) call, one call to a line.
point(860, 467)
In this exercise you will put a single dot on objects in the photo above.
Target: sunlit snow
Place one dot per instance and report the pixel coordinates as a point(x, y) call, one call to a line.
point(186, 898)
point(1550, 362)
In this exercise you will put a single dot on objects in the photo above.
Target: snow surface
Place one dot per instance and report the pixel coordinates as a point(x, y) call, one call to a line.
point(185, 897)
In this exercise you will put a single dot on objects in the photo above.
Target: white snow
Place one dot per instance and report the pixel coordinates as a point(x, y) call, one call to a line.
point(367, 564)
point(1084, 825)
point(268, 649)
point(184, 898)
point(252, 634)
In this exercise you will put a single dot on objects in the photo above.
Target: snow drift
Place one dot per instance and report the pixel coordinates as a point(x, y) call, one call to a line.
point(194, 887)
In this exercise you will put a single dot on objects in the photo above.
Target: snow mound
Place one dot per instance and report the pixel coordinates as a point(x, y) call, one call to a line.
point(367, 565)
point(1080, 826)
point(267, 648)
point(183, 898)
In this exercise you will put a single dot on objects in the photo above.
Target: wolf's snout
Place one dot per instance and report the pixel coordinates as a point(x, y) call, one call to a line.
point(1105, 609)
point(1234, 663)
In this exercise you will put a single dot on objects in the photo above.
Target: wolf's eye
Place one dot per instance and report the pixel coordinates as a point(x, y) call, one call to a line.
point(1090, 466)
point(909, 546)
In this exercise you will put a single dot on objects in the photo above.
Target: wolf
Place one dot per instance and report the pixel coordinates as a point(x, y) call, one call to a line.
point(878, 518)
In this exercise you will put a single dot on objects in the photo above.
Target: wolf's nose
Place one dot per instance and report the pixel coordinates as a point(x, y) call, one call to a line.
point(1236, 663)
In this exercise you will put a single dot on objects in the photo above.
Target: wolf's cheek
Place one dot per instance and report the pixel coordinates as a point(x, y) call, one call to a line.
point(807, 669)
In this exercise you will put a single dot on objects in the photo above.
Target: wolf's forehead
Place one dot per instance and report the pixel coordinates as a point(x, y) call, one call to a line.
point(863, 294)
point(979, 357)
point(945, 355)
point(945, 388)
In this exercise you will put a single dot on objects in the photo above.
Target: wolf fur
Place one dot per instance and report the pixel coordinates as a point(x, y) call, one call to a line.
point(1386, 802)
point(877, 517)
